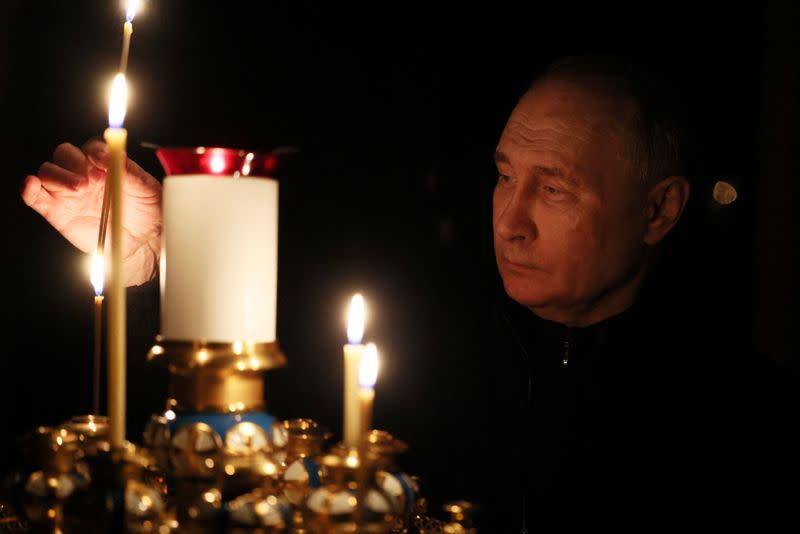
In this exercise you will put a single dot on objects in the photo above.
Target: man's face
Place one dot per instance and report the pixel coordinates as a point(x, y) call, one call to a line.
point(568, 215)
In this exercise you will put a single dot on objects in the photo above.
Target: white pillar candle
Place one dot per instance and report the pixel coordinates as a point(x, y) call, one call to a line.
point(219, 268)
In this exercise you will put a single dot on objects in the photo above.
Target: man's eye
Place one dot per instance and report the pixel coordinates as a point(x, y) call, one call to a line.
point(504, 178)
point(550, 190)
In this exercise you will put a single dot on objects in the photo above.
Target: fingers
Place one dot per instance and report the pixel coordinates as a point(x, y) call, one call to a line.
point(73, 169)
point(30, 189)
point(136, 177)
point(70, 157)
point(97, 153)
point(93, 145)
point(35, 196)
point(57, 179)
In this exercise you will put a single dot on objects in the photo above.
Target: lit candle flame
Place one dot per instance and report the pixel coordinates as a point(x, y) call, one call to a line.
point(368, 369)
point(355, 320)
point(133, 7)
point(118, 102)
point(97, 273)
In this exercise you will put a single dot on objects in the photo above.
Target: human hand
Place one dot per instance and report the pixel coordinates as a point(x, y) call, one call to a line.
point(68, 193)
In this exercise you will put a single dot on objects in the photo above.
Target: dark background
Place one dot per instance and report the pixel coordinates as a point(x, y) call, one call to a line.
point(396, 110)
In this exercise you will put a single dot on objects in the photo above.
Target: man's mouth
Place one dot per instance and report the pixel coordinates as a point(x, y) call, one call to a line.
point(516, 265)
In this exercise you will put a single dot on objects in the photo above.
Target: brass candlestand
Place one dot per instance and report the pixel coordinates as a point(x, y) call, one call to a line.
point(216, 377)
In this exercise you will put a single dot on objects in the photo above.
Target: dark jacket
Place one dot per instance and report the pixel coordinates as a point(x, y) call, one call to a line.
point(656, 419)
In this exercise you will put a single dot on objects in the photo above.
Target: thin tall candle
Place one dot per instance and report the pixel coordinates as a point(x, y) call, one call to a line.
point(127, 31)
point(116, 137)
point(352, 360)
point(97, 282)
point(99, 255)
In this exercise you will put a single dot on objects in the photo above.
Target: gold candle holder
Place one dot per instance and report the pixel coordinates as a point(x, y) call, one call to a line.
point(53, 469)
point(350, 500)
point(247, 460)
point(215, 376)
point(300, 470)
point(260, 511)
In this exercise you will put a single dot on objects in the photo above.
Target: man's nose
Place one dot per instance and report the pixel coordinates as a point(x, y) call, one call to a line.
point(514, 221)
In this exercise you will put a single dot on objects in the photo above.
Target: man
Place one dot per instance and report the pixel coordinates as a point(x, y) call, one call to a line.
point(580, 204)
point(605, 413)
point(633, 412)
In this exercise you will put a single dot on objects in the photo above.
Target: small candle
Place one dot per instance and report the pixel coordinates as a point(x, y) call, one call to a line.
point(97, 282)
point(352, 360)
point(116, 137)
point(98, 324)
point(367, 376)
point(127, 30)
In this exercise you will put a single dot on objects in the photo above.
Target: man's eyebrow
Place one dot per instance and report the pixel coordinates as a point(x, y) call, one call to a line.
point(500, 157)
point(541, 170)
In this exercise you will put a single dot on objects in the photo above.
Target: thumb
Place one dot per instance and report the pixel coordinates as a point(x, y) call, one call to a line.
point(97, 153)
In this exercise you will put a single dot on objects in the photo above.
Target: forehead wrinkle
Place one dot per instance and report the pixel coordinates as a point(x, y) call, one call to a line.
point(552, 140)
point(555, 137)
point(527, 130)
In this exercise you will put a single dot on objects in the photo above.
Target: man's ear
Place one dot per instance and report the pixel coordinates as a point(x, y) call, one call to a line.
point(665, 203)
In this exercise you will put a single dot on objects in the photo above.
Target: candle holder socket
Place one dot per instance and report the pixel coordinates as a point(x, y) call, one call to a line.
point(214, 376)
point(349, 500)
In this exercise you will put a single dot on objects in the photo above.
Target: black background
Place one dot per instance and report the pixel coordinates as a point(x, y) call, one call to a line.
point(396, 110)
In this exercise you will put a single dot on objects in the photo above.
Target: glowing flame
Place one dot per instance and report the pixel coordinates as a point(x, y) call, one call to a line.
point(355, 320)
point(368, 369)
point(97, 273)
point(118, 102)
point(133, 8)
point(351, 461)
point(217, 163)
point(269, 468)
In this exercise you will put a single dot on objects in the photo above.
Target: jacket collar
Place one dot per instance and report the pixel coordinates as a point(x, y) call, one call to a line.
point(544, 342)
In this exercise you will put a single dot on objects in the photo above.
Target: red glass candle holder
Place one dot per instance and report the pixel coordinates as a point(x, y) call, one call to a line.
point(217, 161)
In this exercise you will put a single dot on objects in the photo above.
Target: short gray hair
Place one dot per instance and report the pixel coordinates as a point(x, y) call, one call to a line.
point(656, 131)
